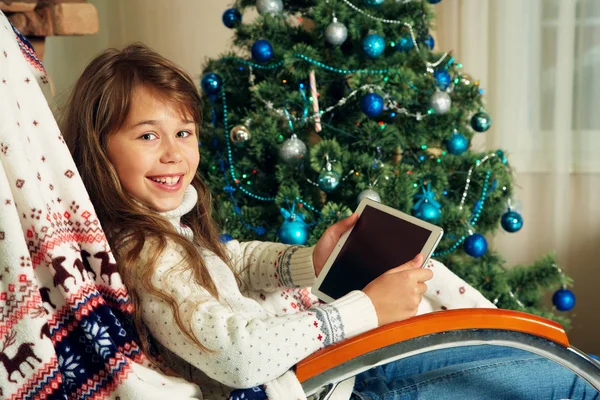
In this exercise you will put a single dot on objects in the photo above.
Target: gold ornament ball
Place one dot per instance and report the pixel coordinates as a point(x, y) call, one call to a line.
point(239, 134)
point(397, 155)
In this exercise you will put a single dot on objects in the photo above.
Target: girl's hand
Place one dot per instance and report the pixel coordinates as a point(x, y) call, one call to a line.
point(397, 293)
point(327, 242)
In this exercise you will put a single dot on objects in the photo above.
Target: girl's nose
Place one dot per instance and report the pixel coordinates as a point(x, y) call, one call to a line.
point(171, 153)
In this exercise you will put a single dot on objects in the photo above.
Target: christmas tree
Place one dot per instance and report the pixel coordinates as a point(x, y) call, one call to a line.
point(330, 101)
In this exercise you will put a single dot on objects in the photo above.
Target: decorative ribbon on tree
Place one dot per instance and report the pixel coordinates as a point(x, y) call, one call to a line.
point(427, 207)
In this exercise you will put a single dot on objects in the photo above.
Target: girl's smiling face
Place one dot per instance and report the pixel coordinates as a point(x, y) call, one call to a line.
point(155, 152)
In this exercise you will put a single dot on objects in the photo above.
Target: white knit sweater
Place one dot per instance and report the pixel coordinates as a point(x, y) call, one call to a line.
point(257, 334)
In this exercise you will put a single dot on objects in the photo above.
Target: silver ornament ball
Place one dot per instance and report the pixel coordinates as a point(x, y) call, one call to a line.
point(336, 33)
point(440, 102)
point(269, 6)
point(240, 134)
point(293, 149)
point(328, 180)
point(368, 194)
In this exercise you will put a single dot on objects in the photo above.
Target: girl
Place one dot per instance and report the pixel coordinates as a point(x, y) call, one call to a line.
point(208, 311)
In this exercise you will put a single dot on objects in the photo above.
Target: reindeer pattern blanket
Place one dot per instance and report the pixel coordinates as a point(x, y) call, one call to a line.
point(64, 331)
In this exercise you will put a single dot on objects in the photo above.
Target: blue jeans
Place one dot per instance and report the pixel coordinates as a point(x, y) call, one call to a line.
point(472, 372)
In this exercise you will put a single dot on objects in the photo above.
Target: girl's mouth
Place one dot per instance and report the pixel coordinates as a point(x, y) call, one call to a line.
point(168, 181)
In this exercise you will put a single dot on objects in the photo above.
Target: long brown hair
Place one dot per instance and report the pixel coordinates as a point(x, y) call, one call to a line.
point(97, 107)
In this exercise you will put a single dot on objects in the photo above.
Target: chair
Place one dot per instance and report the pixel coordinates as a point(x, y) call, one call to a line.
point(323, 371)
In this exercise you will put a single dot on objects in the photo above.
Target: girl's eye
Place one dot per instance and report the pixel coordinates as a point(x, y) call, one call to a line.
point(148, 136)
point(184, 133)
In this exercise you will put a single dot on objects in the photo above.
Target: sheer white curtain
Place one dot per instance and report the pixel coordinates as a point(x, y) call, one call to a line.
point(539, 63)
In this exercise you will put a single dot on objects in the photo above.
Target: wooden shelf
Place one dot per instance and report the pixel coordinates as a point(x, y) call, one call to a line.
point(37, 19)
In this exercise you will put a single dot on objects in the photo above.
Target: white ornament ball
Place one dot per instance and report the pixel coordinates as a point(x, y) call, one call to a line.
point(369, 194)
point(336, 33)
point(269, 6)
point(292, 150)
point(440, 102)
point(240, 134)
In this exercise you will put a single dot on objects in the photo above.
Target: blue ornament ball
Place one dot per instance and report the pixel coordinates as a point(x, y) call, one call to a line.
point(430, 42)
point(328, 180)
point(457, 144)
point(405, 43)
point(224, 238)
point(511, 221)
point(443, 78)
point(373, 3)
point(231, 18)
point(373, 45)
point(595, 357)
point(481, 122)
point(293, 232)
point(476, 245)
point(433, 1)
point(371, 104)
point(261, 50)
point(501, 156)
point(563, 299)
point(428, 212)
point(211, 83)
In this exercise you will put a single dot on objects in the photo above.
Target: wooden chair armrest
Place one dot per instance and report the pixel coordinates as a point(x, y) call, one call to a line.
point(437, 322)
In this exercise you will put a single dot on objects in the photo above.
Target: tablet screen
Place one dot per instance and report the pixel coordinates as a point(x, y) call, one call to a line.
point(377, 243)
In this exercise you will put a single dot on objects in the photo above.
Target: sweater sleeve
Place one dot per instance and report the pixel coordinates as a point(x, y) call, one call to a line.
point(267, 266)
point(245, 345)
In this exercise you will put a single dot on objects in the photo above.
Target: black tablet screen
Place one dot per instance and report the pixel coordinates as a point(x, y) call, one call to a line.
point(378, 242)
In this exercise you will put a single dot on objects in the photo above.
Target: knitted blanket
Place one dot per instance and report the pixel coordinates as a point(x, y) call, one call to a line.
point(65, 330)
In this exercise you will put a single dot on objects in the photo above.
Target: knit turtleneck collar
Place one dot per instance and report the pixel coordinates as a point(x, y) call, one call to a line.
point(190, 198)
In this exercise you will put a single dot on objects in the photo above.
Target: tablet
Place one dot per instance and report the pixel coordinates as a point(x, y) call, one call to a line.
point(382, 238)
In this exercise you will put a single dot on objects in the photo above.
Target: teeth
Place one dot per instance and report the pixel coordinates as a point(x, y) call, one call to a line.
point(167, 181)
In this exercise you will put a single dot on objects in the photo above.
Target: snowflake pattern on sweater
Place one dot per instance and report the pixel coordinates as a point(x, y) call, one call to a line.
point(260, 332)
point(251, 344)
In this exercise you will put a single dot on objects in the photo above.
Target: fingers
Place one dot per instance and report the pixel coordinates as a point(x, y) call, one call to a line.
point(342, 226)
point(418, 260)
point(416, 274)
point(415, 263)
point(427, 274)
point(349, 221)
point(421, 275)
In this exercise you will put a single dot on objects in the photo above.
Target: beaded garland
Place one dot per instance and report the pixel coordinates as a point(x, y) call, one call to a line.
point(392, 105)
point(342, 71)
point(395, 22)
point(230, 189)
point(260, 230)
point(477, 211)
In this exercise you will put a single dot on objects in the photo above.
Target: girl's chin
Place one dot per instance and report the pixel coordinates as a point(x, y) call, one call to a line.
point(163, 208)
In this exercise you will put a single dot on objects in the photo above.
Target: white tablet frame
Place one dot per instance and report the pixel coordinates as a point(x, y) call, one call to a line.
point(435, 236)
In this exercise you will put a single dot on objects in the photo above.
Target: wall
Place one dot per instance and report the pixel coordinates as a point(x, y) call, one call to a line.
point(185, 31)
